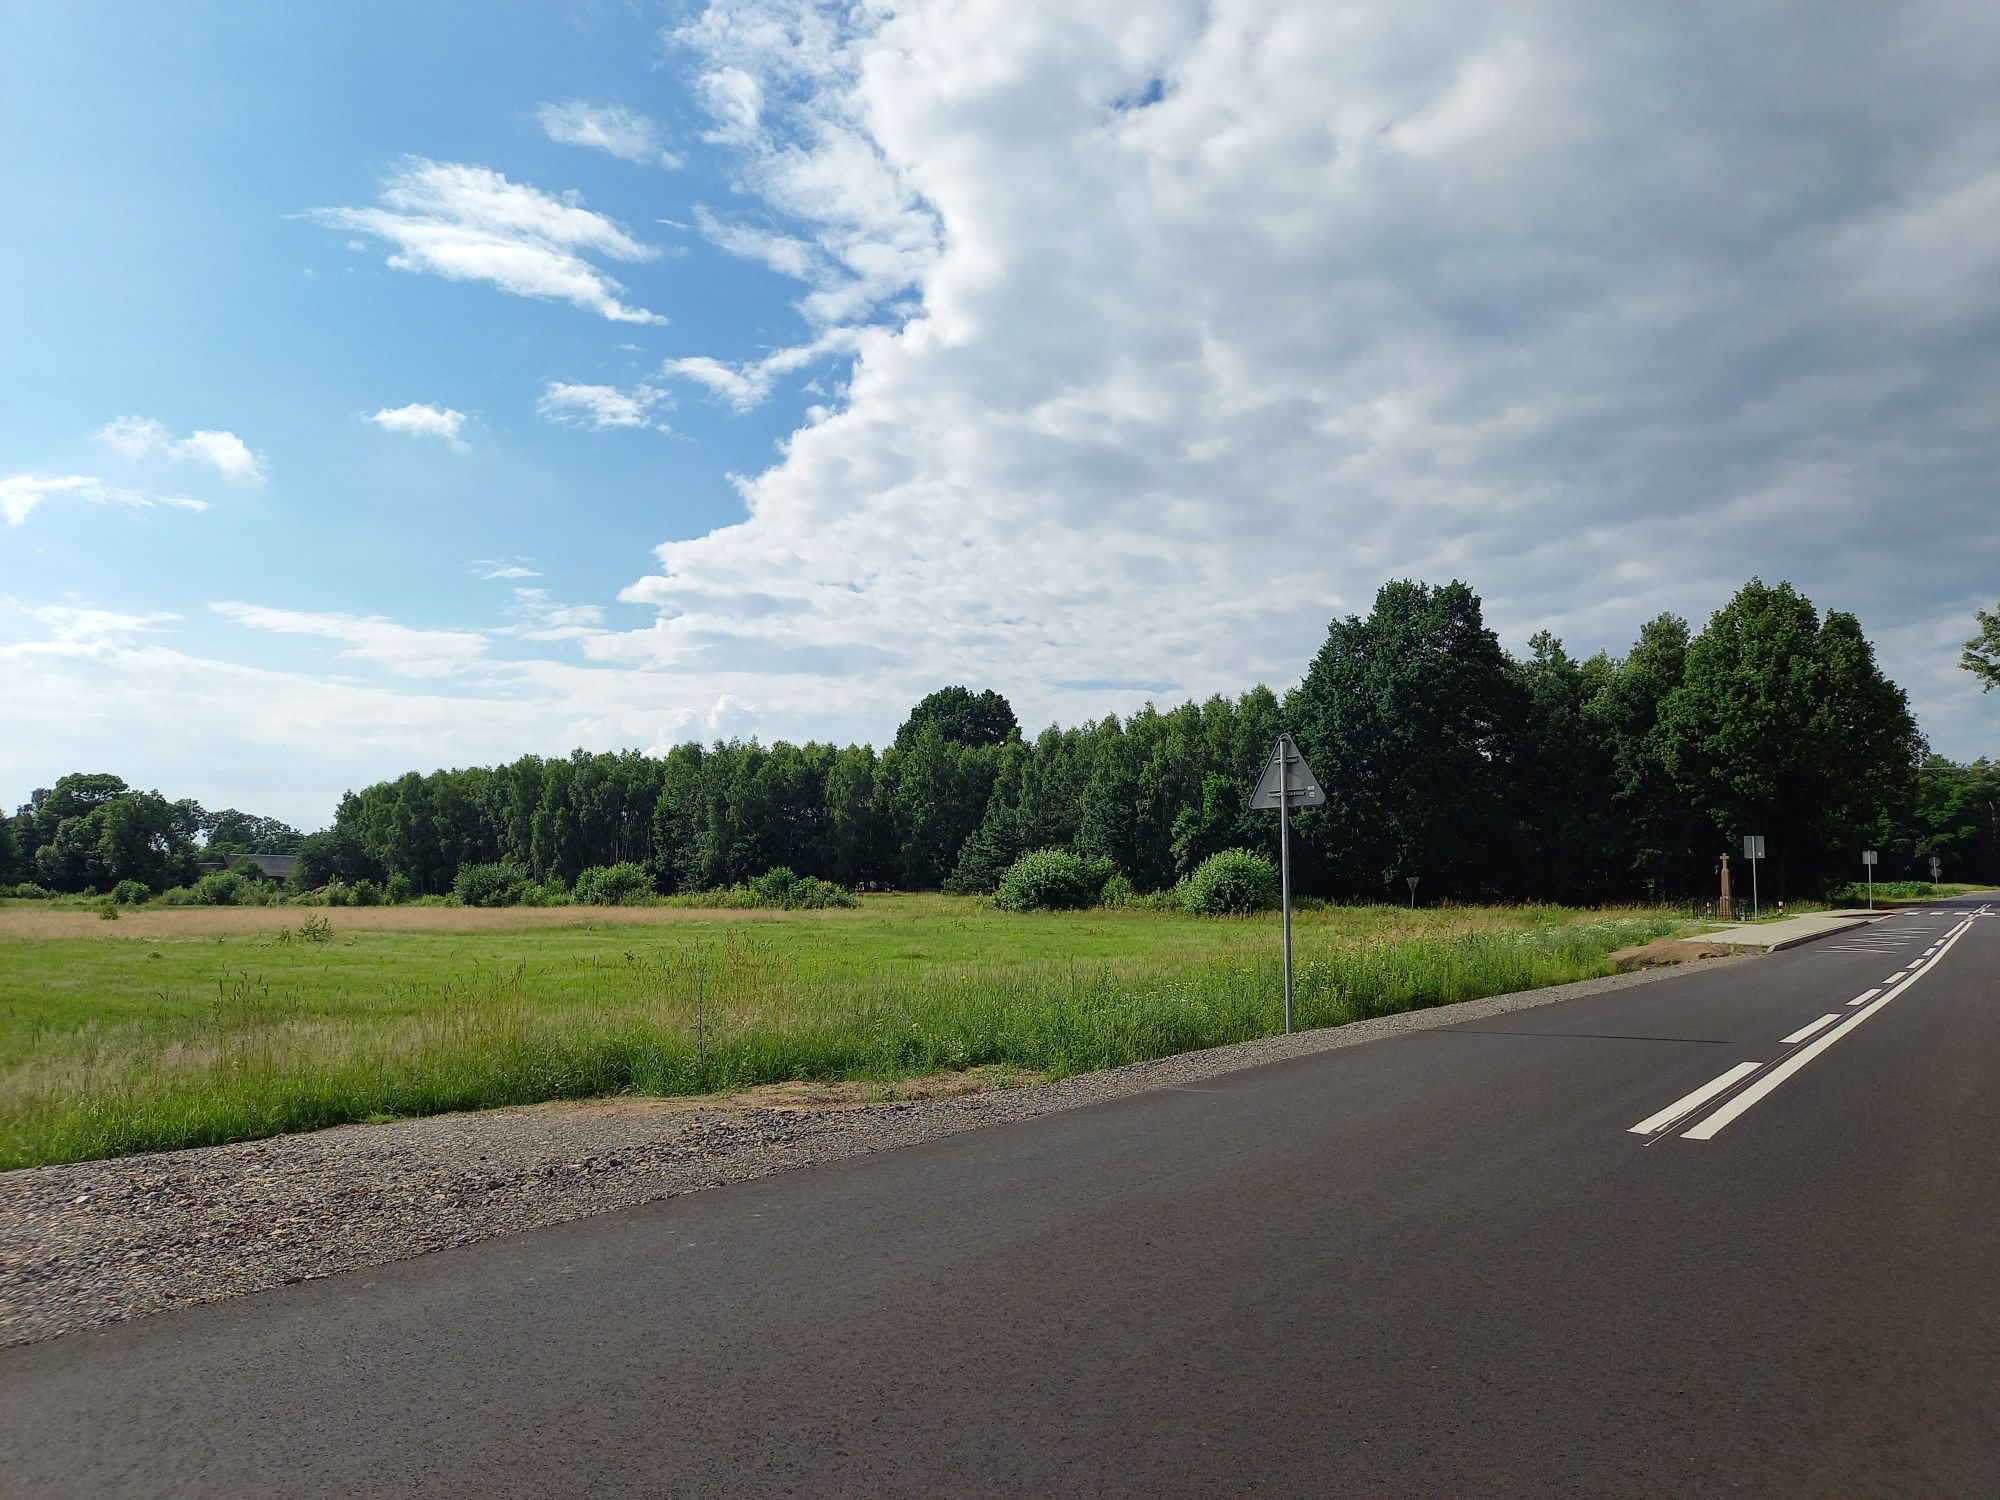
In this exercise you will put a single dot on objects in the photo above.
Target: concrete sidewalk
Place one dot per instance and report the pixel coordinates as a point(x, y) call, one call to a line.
point(1788, 932)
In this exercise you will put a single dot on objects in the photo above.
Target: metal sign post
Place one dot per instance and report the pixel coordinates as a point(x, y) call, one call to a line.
point(1936, 866)
point(1287, 782)
point(1412, 880)
point(1753, 850)
point(1868, 859)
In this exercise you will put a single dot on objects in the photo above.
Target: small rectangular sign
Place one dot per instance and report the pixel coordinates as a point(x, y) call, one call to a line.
point(1868, 856)
point(1753, 846)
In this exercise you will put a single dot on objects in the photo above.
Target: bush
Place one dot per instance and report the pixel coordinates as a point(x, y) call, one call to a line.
point(108, 909)
point(399, 889)
point(178, 895)
point(1118, 891)
point(612, 885)
point(783, 887)
point(549, 892)
point(365, 893)
point(1233, 881)
point(1052, 880)
point(27, 890)
point(221, 888)
point(131, 893)
point(489, 885)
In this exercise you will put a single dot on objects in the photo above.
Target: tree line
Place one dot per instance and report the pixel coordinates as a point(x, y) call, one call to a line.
point(1544, 777)
point(90, 831)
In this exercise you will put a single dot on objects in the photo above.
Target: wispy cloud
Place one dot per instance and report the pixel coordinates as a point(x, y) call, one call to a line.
point(225, 452)
point(601, 406)
point(538, 617)
point(20, 494)
point(77, 621)
point(402, 649)
point(470, 223)
point(420, 420)
point(748, 385)
point(490, 568)
point(607, 127)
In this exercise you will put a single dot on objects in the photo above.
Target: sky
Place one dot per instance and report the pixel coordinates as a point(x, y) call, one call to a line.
point(396, 385)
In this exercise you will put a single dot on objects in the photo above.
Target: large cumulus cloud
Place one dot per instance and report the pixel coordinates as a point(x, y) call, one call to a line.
point(1177, 327)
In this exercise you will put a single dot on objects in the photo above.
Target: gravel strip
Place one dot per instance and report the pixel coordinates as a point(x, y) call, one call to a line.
point(100, 1242)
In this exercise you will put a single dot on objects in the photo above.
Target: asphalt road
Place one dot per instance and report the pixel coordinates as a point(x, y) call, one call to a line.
point(1445, 1264)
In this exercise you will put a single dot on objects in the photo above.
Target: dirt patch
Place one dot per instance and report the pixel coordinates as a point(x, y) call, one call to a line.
point(856, 1094)
point(1663, 951)
point(223, 921)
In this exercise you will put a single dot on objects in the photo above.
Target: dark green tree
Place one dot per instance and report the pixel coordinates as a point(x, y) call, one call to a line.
point(1784, 726)
point(1981, 656)
point(1409, 717)
point(961, 716)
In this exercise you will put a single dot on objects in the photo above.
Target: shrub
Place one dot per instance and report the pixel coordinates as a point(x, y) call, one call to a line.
point(783, 887)
point(548, 892)
point(178, 895)
point(612, 885)
point(1052, 880)
point(108, 910)
point(489, 885)
point(131, 893)
point(27, 890)
point(1118, 891)
point(365, 893)
point(1233, 881)
point(220, 888)
point(399, 889)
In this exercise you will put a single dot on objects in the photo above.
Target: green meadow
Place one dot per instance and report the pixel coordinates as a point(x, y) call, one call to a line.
point(187, 1028)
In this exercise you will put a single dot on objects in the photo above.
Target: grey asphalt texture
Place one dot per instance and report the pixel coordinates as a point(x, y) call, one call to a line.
point(1436, 1265)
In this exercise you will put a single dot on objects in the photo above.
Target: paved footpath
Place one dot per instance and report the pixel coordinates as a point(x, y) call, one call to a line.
point(1733, 1233)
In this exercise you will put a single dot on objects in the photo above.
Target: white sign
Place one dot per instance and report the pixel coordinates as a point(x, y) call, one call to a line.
point(1287, 770)
point(1868, 856)
point(1753, 846)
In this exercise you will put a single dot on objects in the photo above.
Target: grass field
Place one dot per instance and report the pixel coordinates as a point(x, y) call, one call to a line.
point(1907, 892)
point(175, 1028)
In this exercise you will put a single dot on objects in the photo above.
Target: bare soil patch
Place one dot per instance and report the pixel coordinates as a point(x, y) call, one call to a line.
point(801, 1096)
point(1665, 951)
point(224, 921)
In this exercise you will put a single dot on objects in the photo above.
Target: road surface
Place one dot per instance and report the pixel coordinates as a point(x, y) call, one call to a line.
point(1734, 1233)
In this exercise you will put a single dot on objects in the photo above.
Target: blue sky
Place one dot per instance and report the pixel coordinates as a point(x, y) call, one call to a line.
point(177, 272)
point(390, 386)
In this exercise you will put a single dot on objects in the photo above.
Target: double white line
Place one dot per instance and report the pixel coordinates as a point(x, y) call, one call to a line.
point(1677, 1112)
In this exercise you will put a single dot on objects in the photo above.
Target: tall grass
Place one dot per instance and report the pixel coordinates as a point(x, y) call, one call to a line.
point(253, 1059)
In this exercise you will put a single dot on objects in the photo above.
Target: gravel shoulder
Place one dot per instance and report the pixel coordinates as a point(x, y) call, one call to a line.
point(92, 1243)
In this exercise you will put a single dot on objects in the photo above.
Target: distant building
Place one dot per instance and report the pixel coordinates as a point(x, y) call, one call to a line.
point(271, 866)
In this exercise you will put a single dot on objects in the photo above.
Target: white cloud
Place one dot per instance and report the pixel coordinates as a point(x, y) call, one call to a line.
point(748, 385)
point(225, 452)
point(608, 127)
point(75, 620)
point(490, 568)
point(783, 253)
point(419, 420)
point(20, 494)
point(600, 406)
point(540, 618)
point(400, 649)
point(470, 223)
point(1178, 327)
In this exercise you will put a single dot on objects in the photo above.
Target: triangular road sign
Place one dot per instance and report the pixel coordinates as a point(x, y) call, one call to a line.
point(1288, 770)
